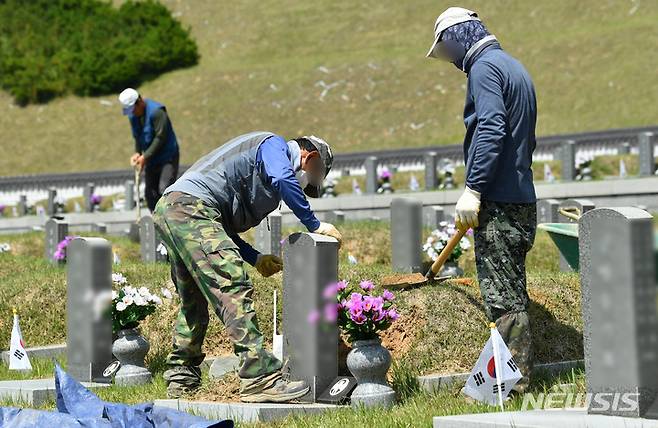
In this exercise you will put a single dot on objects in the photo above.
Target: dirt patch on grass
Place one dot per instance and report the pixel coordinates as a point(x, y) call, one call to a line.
point(225, 389)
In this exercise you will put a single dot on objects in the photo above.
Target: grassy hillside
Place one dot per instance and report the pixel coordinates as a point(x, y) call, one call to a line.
point(264, 63)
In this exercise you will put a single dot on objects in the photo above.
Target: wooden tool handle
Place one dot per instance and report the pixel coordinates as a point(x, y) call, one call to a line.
point(445, 253)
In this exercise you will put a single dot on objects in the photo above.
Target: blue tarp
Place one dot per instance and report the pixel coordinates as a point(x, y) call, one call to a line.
point(78, 407)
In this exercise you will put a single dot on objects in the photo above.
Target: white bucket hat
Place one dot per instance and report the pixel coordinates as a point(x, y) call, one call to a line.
point(451, 16)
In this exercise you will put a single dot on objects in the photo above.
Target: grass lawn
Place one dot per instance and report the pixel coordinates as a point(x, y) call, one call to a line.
point(266, 63)
point(442, 327)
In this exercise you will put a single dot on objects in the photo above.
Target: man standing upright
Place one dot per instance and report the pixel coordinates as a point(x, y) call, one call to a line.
point(499, 200)
point(156, 146)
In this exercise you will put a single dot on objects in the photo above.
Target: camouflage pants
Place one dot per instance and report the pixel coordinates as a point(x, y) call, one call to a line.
point(505, 234)
point(207, 269)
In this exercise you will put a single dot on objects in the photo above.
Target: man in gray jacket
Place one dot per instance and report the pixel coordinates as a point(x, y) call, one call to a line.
point(499, 199)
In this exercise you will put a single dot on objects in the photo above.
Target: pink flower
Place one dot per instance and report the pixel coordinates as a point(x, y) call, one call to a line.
point(359, 319)
point(356, 297)
point(367, 285)
point(392, 315)
point(331, 312)
point(313, 316)
point(341, 285)
point(388, 296)
point(379, 315)
point(330, 291)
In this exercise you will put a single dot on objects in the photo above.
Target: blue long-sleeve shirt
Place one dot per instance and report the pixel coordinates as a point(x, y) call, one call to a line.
point(277, 159)
point(500, 116)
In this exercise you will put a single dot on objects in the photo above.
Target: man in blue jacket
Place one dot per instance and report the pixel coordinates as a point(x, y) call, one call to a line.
point(156, 146)
point(499, 199)
point(227, 192)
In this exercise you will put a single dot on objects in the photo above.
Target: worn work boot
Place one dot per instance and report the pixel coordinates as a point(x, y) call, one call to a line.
point(273, 388)
point(182, 380)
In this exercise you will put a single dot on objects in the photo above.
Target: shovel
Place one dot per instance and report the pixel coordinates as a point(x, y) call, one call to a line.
point(417, 279)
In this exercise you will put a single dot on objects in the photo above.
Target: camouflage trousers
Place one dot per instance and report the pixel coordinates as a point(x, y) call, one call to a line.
point(207, 269)
point(505, 234)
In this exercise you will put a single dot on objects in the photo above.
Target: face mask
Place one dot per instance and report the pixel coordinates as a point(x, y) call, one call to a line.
point(302, 177)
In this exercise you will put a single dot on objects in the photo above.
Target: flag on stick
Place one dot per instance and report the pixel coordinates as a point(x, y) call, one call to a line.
point(484, 384)
point(18, 358)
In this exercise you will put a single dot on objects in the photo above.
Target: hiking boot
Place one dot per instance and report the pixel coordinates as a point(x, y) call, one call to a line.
point(182, 380)
point(273, 388)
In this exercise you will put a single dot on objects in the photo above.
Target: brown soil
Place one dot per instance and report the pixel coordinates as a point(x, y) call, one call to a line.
point(226, 389)
point(402, 280)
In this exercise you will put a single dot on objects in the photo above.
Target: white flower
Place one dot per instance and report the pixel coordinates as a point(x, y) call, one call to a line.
point(161, 249)
point(140, 301)
point(115, 295)
point(155, 299)
point(121, 306)
point(465, 243)
point(119, 279)
point(130, 291)
point(166, 293)
point(144, 292)
point(128, 300)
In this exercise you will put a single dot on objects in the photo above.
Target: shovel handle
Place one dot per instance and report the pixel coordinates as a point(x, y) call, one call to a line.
point(445, 253)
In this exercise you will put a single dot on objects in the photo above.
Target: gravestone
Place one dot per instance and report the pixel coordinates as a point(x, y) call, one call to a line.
point(431, 177)
point(149, 241)
point(434, 215)
point(268, 235)
point(547, 211)
point(22, 205)
point(87, 193)
point(51, 207)
point(568, 156)
point(647, 162)
point(583, 205)
point(406, 234)
point(56, 231)
point(624, 148)
point(371, 175)
point(334, 217)
point(129, 195)
point(310, 265)
point(618, 286)
point(88, 291)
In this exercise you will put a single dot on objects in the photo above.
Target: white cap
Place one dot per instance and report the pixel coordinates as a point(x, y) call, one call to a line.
point(451, 16)
point(128, 97)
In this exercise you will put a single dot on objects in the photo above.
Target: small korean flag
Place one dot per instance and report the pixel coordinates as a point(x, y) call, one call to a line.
point(18, 359)
point(483, 384)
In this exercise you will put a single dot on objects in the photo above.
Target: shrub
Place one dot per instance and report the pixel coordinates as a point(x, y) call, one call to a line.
point(50, 48)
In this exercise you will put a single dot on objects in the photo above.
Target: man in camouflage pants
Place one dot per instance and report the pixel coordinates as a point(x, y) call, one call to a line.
point(199, 217)
point(499, 201)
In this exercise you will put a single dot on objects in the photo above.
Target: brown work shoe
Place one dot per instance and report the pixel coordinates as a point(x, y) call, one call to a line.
point(273, 388)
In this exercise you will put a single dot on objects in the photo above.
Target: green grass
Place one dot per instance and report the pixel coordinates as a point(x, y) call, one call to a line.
point(260, 66)
point(424, 340)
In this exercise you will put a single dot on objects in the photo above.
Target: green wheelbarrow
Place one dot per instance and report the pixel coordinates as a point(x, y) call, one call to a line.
point(565, 237)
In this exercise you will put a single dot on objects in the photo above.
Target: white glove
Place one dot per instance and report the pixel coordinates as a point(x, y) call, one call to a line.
point(467, 209)
point(329, 229)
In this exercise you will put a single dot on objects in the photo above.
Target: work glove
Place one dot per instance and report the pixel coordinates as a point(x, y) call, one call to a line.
point(329, 229)
point(268, 265)
point(467, 209)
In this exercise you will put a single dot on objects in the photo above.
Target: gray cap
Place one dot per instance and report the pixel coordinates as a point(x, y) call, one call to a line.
point(327, 158)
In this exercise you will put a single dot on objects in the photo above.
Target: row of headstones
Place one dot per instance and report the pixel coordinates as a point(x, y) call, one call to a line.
point(311, 263)
point(57, 229)
point(22, 207)
point(567, 155)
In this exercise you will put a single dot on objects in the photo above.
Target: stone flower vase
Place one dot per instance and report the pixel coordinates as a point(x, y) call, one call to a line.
point(369, 362)
point(131, 348)
point(451, 269)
